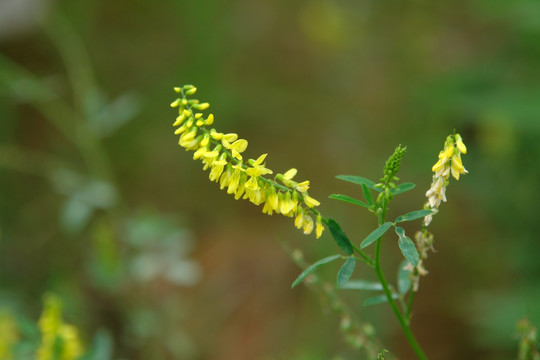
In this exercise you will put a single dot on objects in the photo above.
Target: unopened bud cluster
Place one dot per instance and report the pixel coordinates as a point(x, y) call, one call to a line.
point(244, 178)
point(388, 182)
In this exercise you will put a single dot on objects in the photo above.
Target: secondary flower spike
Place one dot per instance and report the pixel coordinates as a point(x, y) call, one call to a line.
point(244, 178)
point(449, 163)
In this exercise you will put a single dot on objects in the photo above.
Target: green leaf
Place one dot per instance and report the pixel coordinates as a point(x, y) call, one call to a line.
point(413, 215)
point(378, 299)
point(339, 236)
point(375, 234)
point(346, 271)
point(359, 181)
point(403, 279)
point(362, 285)
point(312, 268)
point(367, 194)
point(401, 188)
point(407, 247)
point(348, 199)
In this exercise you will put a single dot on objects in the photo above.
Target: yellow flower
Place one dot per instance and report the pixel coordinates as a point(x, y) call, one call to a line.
point(222, 155)
point(449, 162)
point(308, 224)
point(319, 227)
point(310, 202)
point(54, 332)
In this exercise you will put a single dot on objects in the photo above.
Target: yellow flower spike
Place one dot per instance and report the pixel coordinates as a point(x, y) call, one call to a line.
point(176, 103)
point(310, 202)
point(319, 228)
point(449, 163)
point(290, 174)
point(308, 224)
point(460, 145)
point(244, 180)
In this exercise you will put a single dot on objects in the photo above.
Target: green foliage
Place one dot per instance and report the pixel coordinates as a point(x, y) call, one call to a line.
point(346, 271)
point(403, 278)
point(406, 245)
point(359, 180)
point(413, 215)
point(348, 199)
point(376, 234)
point(339, 236)
point(380, 299)
point(312, 268)
point(362, 285)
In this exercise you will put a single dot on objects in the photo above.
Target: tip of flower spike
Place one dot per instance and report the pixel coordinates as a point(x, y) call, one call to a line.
point(177, 89)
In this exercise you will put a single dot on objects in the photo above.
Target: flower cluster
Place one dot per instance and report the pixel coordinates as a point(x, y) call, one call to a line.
point(221, 154)
point(449, 163)
point(54, 331)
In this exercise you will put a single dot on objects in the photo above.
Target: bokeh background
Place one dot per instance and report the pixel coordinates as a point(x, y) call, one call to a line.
point(99, 205)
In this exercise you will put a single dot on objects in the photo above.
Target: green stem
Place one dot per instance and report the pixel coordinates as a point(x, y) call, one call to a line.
point(404, 323)
point(409, 305)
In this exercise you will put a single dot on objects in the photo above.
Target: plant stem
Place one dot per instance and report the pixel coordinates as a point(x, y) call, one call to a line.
point(404, 323)
point(409, 305)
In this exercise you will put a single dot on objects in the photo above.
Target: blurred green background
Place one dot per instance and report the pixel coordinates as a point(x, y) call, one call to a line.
point(99, 205)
